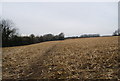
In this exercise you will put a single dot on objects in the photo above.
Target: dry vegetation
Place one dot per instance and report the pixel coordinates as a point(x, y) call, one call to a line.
point(83, 58)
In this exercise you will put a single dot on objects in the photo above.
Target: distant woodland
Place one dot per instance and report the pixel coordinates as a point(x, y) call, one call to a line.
point(10, 36)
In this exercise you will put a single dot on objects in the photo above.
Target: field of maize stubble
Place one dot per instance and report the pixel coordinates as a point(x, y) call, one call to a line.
point(82, 58)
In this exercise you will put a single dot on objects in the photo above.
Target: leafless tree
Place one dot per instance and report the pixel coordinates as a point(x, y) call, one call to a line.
point(7, 30)
point(117, 32)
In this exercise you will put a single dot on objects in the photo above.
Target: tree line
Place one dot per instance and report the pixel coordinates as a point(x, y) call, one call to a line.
point(10, 37)
point(32, 39)
point(84, 36)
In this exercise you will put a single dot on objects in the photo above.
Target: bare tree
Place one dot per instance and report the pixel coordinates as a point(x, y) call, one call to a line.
point(61, 36)
point(117, 32)
point(48, 37)
point(7, 30)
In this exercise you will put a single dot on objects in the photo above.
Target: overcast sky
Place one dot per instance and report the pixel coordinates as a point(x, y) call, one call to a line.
point(71, 18)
